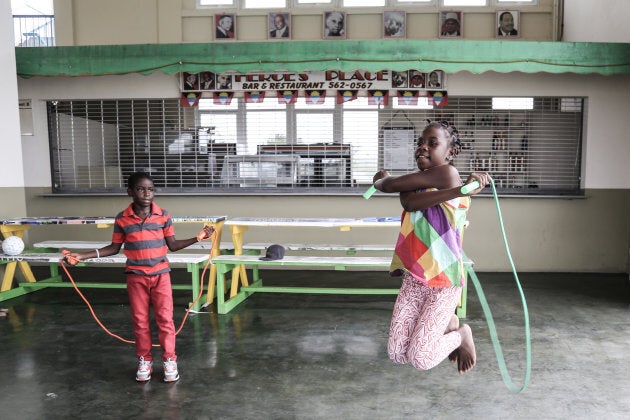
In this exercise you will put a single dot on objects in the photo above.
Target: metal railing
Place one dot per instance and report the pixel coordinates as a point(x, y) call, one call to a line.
point(34, 30)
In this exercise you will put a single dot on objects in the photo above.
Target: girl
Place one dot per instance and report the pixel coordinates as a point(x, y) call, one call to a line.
point(424, 329)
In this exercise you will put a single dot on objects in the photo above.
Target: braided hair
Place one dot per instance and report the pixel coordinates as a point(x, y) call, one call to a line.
point(451, 132)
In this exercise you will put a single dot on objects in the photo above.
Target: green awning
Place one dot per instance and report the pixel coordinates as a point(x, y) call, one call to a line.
point(449, 55)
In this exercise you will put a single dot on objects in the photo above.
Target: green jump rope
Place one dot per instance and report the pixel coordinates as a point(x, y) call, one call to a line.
point(507, 380)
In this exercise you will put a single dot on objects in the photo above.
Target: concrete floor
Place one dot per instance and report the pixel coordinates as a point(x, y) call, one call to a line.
point(320, 357)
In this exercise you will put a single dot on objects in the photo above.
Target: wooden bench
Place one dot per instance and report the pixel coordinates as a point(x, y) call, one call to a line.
point(227, 247)
point(226, 263)
point(348, 249)
point(55, 245)
point(193, 262)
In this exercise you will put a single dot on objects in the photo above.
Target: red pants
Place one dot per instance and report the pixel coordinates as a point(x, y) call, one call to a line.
point(421, 315)
point(146, 291)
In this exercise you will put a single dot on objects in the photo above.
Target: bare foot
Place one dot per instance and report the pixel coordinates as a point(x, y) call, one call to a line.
point(467, 357)
point(453, 325)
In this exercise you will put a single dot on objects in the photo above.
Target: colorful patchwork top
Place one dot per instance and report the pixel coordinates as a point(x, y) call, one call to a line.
point(429, 244)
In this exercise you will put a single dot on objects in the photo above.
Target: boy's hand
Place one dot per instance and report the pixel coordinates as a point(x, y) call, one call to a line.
point(205, 233)
point(71, 258)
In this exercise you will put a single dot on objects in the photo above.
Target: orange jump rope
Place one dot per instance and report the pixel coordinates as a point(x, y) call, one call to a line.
point(74, 261)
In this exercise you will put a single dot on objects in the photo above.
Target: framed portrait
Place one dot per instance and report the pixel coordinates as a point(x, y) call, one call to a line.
point(190, 82)
point(223, 81)
point(417, 79)
point(394, 24)
point(279, 27)
point(507, 24)
point(206, 80)
point(399, 79)
point(451, 24)
point(225, 27)
point(435, 80)
point(334, 25)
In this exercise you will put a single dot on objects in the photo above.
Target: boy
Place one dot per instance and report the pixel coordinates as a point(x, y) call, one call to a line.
point(148, 233)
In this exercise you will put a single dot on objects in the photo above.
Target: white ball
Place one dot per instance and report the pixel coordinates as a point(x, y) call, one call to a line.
point(13, 245)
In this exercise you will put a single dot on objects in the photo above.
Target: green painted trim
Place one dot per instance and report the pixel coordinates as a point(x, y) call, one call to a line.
point(42, 284)
point(449, 55)
point(13, 293)
point(320, 290)
point(336, 263)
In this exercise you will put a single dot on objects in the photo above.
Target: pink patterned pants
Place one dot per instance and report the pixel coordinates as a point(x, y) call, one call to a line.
point(421, 316)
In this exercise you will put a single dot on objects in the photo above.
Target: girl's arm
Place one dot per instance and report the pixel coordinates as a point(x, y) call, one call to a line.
point(440, 177)
point(414, 201)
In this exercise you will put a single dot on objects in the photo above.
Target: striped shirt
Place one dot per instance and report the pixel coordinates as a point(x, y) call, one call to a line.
point(145, 243)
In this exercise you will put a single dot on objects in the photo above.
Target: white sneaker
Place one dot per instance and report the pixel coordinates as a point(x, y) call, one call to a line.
point(170, 370)
point(145, 368)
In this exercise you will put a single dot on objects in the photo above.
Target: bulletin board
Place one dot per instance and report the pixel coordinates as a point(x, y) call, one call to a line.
point(397, 147)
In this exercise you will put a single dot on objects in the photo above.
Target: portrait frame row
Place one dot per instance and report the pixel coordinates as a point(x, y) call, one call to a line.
point(394, 25)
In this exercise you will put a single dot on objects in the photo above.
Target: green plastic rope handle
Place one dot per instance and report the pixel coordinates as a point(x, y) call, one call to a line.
point(490, 320)
point(469, 187)
point(369, 192)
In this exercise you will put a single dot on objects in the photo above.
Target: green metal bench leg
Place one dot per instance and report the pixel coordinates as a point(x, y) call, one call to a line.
point(223, 306)
point(194, 270)
point(24, 288)
point(461, 309)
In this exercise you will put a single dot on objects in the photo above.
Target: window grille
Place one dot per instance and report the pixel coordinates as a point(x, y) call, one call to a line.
point(293, 148)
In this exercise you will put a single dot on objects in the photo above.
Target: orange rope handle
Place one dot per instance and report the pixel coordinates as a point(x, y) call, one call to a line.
point(74, 261)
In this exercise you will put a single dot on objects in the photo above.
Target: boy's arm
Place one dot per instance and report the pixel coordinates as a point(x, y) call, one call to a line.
point(177, 244)
point(111, 249)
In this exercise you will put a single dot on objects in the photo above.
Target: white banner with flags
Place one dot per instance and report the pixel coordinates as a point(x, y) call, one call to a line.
point(324, 80)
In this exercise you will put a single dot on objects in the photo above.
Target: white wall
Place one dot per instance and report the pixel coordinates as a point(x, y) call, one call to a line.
point(11, 169)
point(596, 20)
